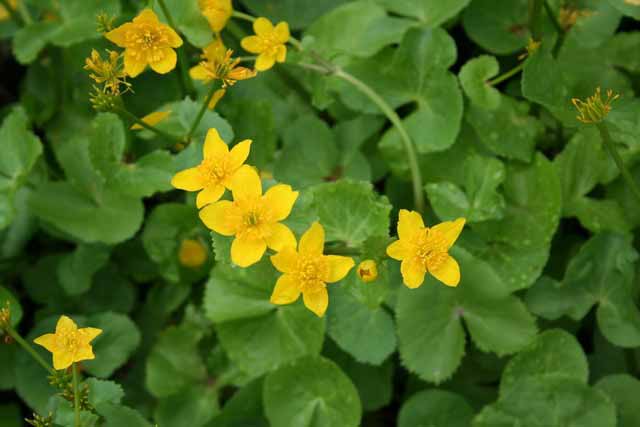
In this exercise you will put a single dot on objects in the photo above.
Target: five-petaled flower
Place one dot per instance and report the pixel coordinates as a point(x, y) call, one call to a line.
point(426, 249)
point(308, 271)
point(253, 218)
point(217, 12)
point(217, 64)
point(69, 344)
point(147, 41)
point(268, 43)
point(217, 170)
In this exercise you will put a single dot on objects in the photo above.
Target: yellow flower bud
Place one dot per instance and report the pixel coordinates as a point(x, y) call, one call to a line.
point(368, 270)
point(5, 316)
point(192, 253)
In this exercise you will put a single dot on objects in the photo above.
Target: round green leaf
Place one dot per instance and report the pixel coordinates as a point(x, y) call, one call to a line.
point(7, 297)
point(114, 346)
point(435, 408)
point(473, 78)
point(623, 389)
point(499, 26)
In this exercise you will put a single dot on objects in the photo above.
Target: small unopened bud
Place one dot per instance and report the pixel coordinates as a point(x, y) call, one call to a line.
point(5, 316)
point(192, 253)
point(368, 270)
point(104, 22)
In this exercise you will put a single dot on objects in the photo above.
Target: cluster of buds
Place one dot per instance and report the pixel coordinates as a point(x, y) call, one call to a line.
point(594, 109)
point(63, 381)
point(40, 421)
point(110, 77)
point(104, 22)
point(5, 317)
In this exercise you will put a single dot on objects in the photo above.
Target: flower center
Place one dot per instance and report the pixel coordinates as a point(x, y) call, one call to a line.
point(310, 271)
point(68, 341)
point(214, 171)
point(431, 248)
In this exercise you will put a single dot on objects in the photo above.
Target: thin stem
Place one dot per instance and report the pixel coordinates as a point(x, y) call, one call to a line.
point(246, 58)
point(613, 152)
point(12, 13)
point(212, 90)
point(29, 349)
point(183, 70)
point(552, 16)
point(534, 18)
point(243, 16)
point(76, 395)
point(23, 10)
point(499, 79)
point(135, 119)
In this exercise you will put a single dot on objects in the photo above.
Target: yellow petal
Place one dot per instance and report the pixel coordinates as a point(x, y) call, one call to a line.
point(246, 252)
point(217, 96)
point(339, 267)
point(281, 53)
point(152, 119)
point(286, 260)
point(174, 39)
point(62, 360)
point(88, 334)
point(239, 153)
point(413, 272)
point(199, 72)
point(252, 44)
point(65, 325)
point(317, 301)
point(246, 184)
point(189, 180)
point(262, 26)
point(280, 199)
point(312, 241)
point(167, 62)
point(84, 353)
point(133, 66)
point(264, 62)
point(214, 146)
point(450, 229)
point(409, 222)
point(448, 272)
point(281, 237)
point(282, 32)
point(118, 35)
point(47, 341)
point(399, 250)
point(217, 217)
point(286, 290)
point(209, 195)
point(147, 16)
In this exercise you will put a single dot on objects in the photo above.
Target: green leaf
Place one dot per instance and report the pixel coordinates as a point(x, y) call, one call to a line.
point(474, 76)
point(257, 335)
point(7, 297)
point(311, 391)
point(188, 20)
point(152, 173)
point(298, 13)
point(370, 30)
point(8, 361)
point(621, 47)
point(64, 414)
point(76, 270)
point(497, 321)
point(103, 392)
point(435, 408)
point(31, 39)
point(597, 27)
point(10, 415)
point(118, 416)
point(174, 363)
point(499, 26)
point(78, 20)
point(622, 389)
point(193, 407)
point(244, 408)
point(114, 346)
point(629, 9)
point(430, 13)
point(107, 141)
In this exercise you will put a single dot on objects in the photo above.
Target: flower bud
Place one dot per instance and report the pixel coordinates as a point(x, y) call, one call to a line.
point(192, 253)
point(367, 271)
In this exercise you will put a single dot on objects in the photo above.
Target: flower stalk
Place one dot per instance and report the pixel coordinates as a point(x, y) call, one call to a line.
point(29, 349)
point(183, 69)
point(123, 112)
point(212, 90)
point(613, 152)
point(76, 396)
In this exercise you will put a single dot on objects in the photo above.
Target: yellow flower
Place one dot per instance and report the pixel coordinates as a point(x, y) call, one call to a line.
point(308, 271)
point(422, 249)
point(69, 344)
point(268, 43)
point(147, 41)
point(594, 109)
point(217, 170)
point(152, 119)
point(217, 12)
point(253, 218)
point(217, 64)
point(367, 270)
point(4, 13)
point(192, 253)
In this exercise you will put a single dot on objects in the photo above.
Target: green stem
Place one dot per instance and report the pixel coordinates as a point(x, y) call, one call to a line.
point(535, 6)
point(76, 395)
point(24, 13)
point(135, 119)
point(183, 69)
point(12, 13)
point(499, 79)
point(243, 16)
point(613, 152)
point(212, 90)
point(552, 16)
point(27, 347)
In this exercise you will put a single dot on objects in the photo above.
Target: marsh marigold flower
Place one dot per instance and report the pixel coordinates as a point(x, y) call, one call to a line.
point(426, 249)
point(594, 109)
point(4, 13)
point(152, 119)
point(217, 64)
point(307, 271)
point(268, 43)
point(253, 218)
point(217, 12)
point(217, 170)
point(367, 270)
point(69, 344)
point(146, 41)
point(192, 253)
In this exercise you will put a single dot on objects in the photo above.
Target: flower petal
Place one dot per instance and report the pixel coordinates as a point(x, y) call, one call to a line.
point(214, 146)
point(399, 250)
point(239, 153)
point(88, 334)
point(450, 229)
point(246, 252)
point(280, 199)
point(281, 53)
point(312, 241)
point(448, 272)
point(252, 44)
point(189, 180)
point(62, 360)
point(132, 65)
point(199, 72)
point(409, 222)
point(152, 119)
point(286, 260)
point(281, 237)
point(167, 62)
point(246, 184)
point(48, 341)
point(339, 267)
point(317, 301)
point(147, 16)
point(217, 217)
point(262, 26)
point(84, 353)
point(413, 272)
point(264, 62)
point(65, 325)
point(174, 39)
point(286, 290)
point(209, 195)
point(282, 32)
point(119, 35)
